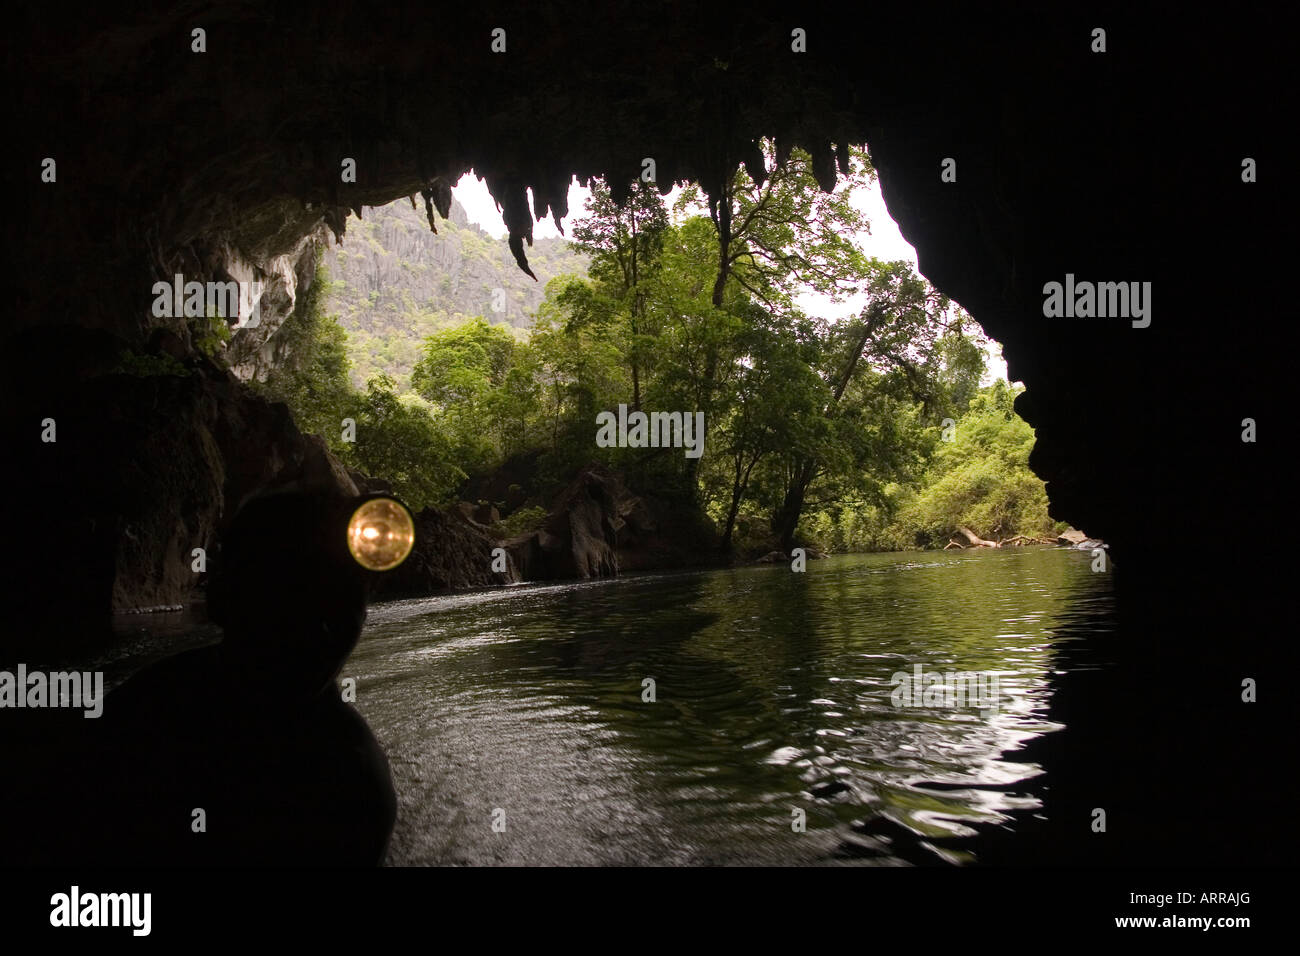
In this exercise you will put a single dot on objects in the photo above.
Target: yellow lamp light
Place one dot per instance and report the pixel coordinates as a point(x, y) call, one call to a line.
point(381, 534)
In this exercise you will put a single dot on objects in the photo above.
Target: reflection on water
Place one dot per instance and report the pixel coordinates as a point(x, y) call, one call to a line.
point(772, 695)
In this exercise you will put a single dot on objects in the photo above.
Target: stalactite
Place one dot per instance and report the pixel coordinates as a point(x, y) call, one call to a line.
point(428, 208)
point(842, 157)
point(823, 165)
point(512, 196)
point(754, 163)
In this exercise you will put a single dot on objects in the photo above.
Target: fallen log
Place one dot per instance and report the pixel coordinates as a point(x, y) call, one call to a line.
point(1020, 539)
point(976, 541)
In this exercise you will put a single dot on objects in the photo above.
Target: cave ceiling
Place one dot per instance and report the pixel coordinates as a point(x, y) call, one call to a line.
point(1105, 166)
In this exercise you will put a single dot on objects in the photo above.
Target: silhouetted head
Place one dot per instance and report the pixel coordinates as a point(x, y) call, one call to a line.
point(288, 590)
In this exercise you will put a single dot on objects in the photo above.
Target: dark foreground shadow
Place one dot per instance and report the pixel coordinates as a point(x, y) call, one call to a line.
point(242, 753)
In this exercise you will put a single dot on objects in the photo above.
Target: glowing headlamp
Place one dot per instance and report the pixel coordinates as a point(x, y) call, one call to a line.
point(381, 534)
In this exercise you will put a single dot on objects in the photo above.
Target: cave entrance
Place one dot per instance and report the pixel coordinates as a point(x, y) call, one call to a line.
point(447, 327)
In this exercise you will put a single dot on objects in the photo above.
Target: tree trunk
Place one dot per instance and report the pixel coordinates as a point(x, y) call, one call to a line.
point(740, 483)
point(1020, 539)
point(975, 540)
point(786, 521)
point(731, 523)
point(634, 288)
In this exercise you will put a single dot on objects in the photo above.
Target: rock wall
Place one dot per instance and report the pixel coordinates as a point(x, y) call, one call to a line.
point(151, 457)
point(598, 527)
point(449, 553)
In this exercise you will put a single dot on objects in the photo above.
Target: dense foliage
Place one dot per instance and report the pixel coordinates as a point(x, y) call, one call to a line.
point(868, 431)
point(980, 479)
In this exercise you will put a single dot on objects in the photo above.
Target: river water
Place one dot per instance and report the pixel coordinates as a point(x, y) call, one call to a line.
point(519, 730)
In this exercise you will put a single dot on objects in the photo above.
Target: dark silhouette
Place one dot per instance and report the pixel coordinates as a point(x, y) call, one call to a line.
point(249, 737)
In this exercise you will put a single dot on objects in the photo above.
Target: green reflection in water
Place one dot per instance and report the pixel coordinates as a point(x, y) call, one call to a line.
point(772, 694)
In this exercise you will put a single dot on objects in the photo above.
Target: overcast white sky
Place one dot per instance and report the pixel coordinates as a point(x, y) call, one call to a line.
point(884, 242)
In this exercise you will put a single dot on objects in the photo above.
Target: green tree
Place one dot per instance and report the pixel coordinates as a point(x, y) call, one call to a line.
point(465, 373)
point(775, 390)
point(581, 368)
point(981, 478)
point(399, 441)
point(863, 363)
point(623, 241)
point(779, 232)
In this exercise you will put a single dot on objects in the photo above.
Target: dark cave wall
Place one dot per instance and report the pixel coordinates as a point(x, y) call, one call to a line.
point(228, 163)
point(1083, 165)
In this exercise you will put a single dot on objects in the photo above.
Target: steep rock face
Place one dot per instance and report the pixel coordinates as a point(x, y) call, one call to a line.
point(394, 282)
point(277, 281)
point(578, 537)
point(449, 553)
point(597, 527)
point(149, 459)
point(390, 260)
